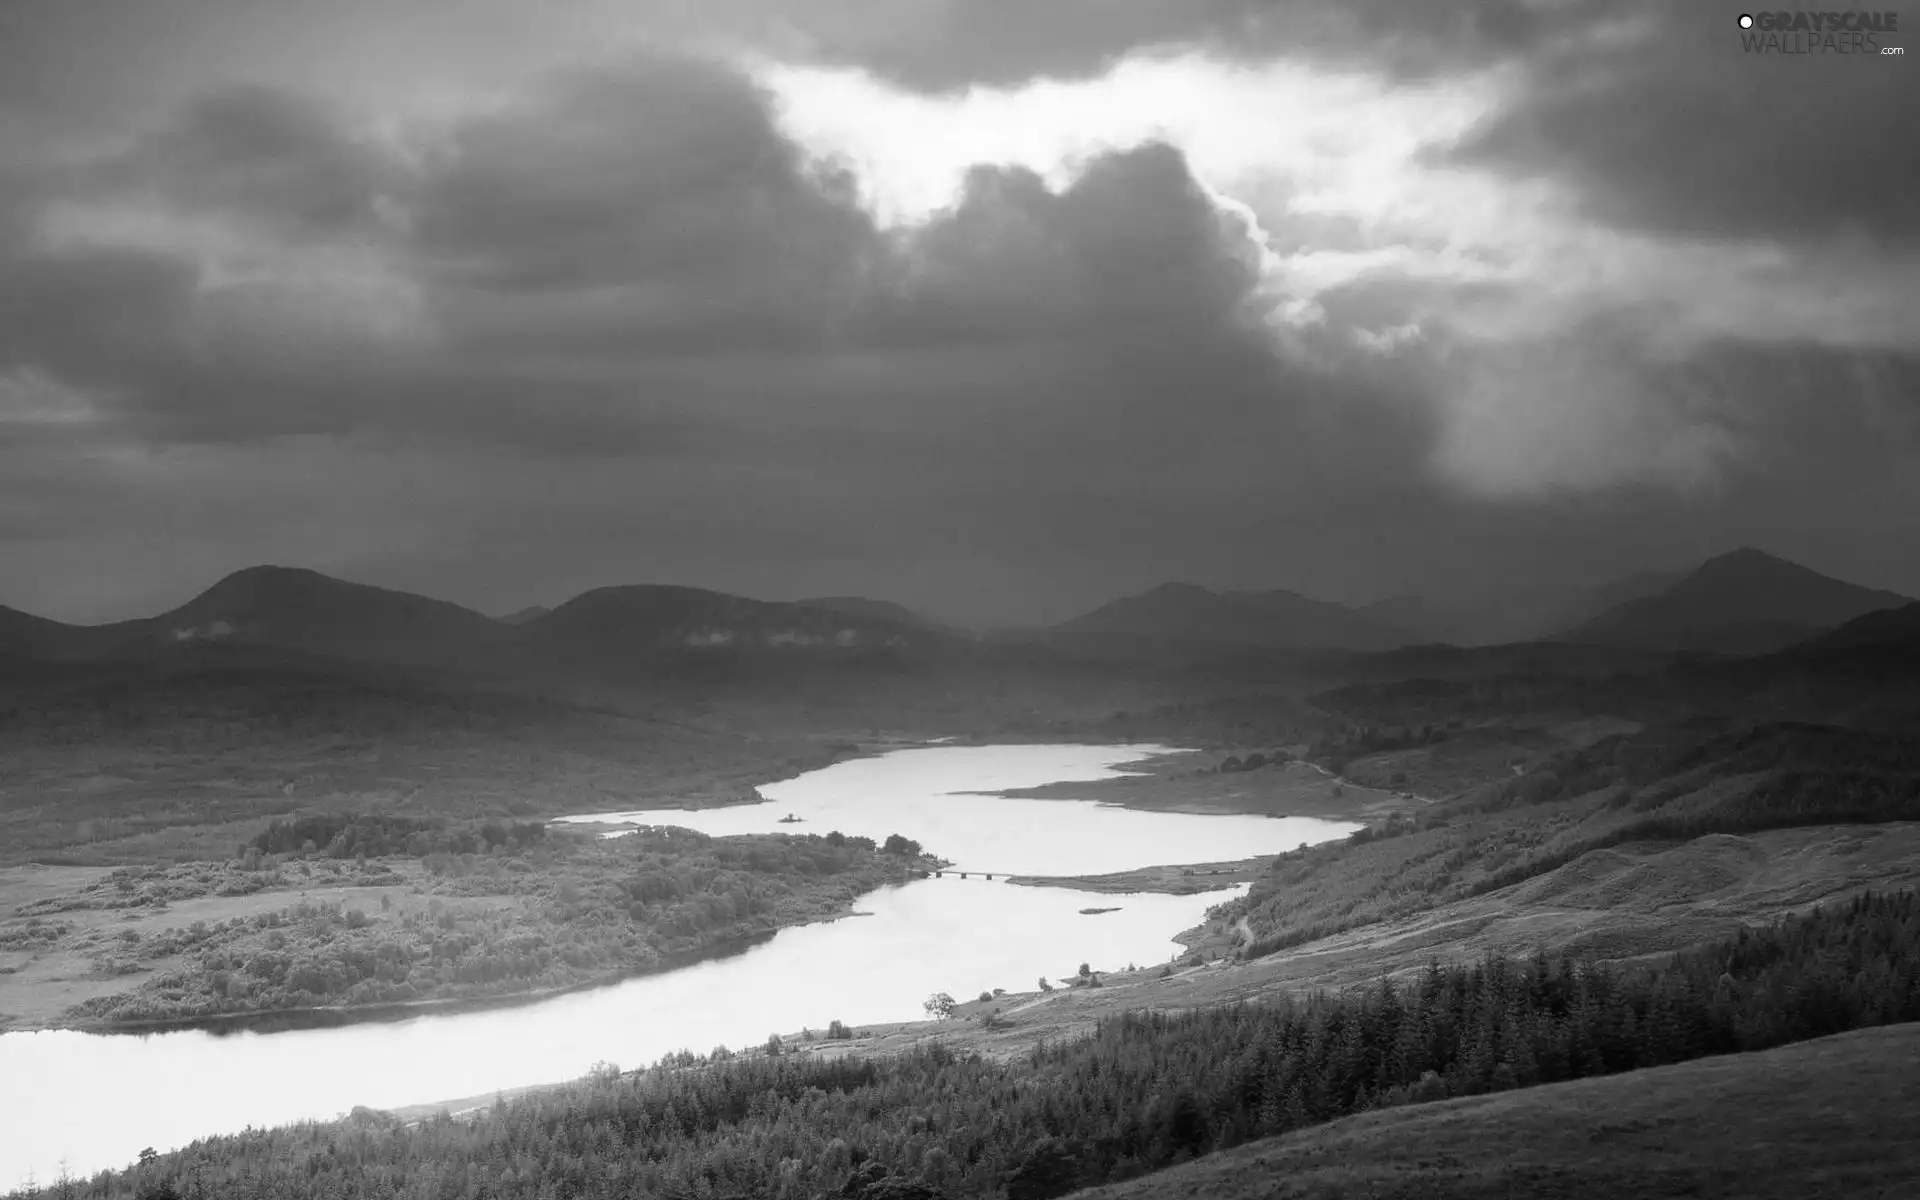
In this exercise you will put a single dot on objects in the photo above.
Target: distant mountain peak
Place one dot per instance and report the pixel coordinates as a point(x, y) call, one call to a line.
point(271, 570)
point(1744, 601)
point(1749, 558)
point(648, 619)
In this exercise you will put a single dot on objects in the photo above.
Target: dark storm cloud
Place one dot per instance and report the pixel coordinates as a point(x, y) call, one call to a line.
point(267, 155)
point(614, 326)
point(1671, 126)
point(255, 268)
point(95, 317)
point(1132, 249)
point(598, 266)
point(648, 211)
point(667, 170)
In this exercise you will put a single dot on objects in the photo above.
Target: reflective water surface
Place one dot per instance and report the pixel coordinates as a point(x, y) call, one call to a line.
point(95, 1101)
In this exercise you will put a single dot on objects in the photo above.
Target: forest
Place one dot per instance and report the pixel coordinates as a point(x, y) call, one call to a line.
point(1145, 1091)
point(350, 835)
point(500, 909)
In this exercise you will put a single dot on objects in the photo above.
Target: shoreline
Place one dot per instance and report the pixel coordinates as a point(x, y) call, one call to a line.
point(1071, 1002)
point(282, 1020)
point(290, 1020)
point(1174, 879)
point(1171, 879)
point(1190, 782)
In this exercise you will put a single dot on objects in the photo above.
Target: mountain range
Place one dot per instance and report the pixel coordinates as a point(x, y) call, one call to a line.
point(1514, 614)
point(1187, 615)
point(1745, 602)
point(300, 611)
point(1742, 602)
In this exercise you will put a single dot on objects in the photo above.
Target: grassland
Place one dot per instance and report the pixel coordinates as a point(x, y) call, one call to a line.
point(87, 947)
point(1830, 1119)
point(149, 769)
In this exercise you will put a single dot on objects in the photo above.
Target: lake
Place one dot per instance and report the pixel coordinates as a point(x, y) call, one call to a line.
point(92, 1101)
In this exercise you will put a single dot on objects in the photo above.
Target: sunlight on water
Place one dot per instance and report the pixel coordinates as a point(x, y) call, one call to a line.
point(923, 795)
point(92, 1101)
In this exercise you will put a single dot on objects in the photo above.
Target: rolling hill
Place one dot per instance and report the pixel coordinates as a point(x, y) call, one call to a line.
point(296, 609)
point(1743, 602)
point(1186, 615)
point(23, 635)
point(303, 612)
point(651, 622)
point(1821, 1118)
point(1887, 629)
point(884, 611)
point(1507, 615)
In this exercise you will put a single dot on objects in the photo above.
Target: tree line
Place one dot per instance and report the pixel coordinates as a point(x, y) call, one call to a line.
point(582, 909)
point(376, 835)
point(1144, 1091)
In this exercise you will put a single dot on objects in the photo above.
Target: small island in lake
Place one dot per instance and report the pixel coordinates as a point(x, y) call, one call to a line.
point(1094, 912)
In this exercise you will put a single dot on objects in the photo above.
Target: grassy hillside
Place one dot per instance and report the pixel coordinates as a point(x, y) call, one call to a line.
point(1664, 786)
point(1147, 1090)
point(1830, 1119)
point(138, 765)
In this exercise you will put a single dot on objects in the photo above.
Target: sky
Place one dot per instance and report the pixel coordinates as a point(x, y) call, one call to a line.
point(994, 308)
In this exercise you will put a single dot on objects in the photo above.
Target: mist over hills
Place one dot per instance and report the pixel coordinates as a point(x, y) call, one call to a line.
point(532, 612)
point(654, 623)
point(1509, 615)
point(1879, 628)
point(1743, 602)
point(885, 611)
point(270, 612)
point(1186, 614)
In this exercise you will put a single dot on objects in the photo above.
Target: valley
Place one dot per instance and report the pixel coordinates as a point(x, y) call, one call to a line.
point(957, 600)
point(244, 827)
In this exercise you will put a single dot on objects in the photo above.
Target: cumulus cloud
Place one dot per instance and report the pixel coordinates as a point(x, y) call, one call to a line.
point(1300, 277)
point(585, 253)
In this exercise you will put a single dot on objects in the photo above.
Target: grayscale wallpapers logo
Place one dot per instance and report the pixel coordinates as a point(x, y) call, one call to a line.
point(1852, 32)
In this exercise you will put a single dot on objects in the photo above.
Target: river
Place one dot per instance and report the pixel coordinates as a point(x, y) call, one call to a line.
point(87, 1101)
